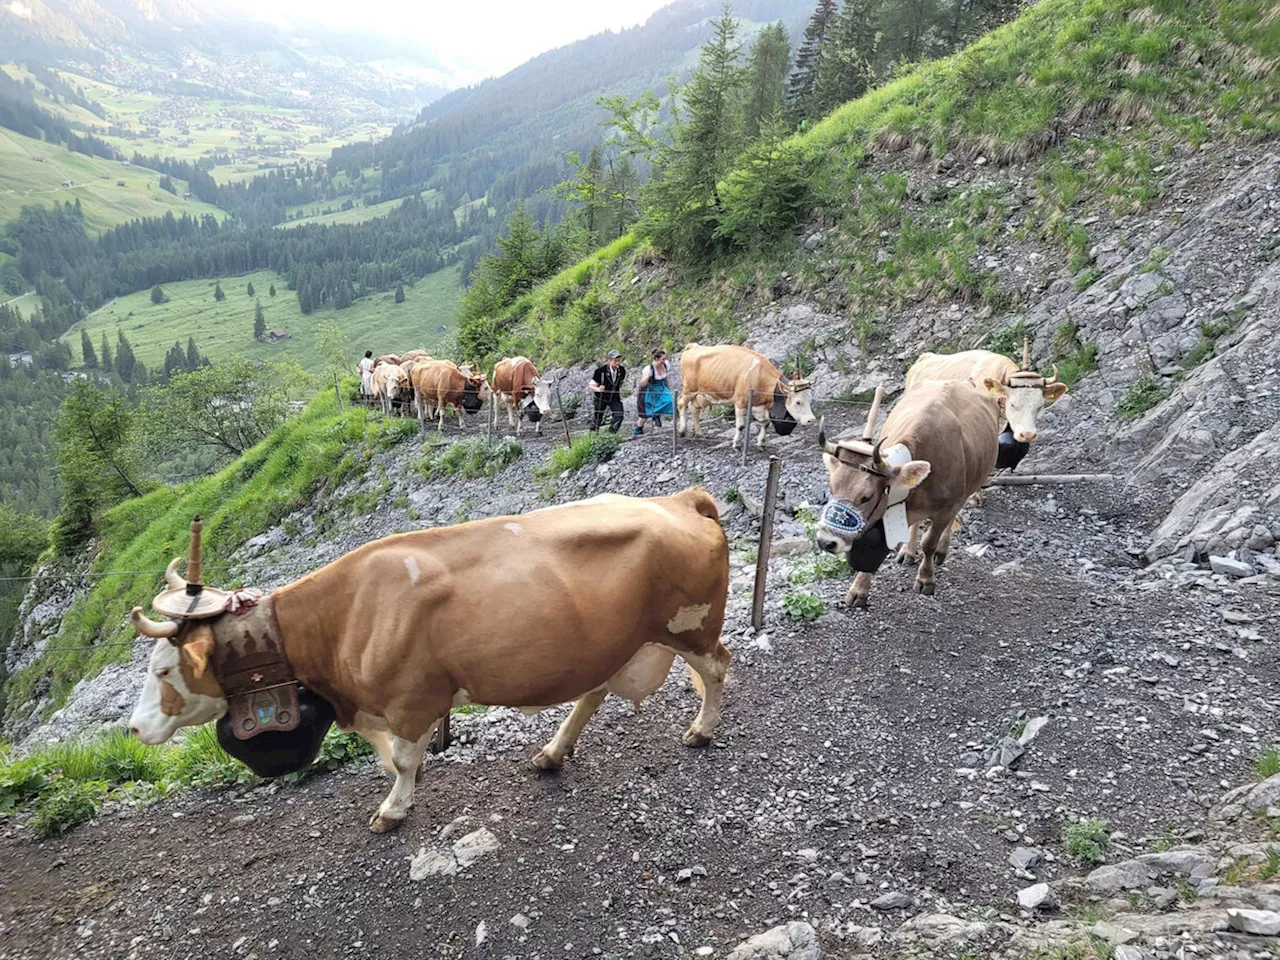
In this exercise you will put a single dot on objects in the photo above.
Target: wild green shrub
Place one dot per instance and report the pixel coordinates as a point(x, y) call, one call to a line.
point(1008, 339)
point(596, 447)
point(1268, 764)
point(471, 458)
point(1087, 840)
point(802, 605)
point(21, 780)
point(1081, 361)
point(66, 804)
point(1139, 397)
point(817, 566)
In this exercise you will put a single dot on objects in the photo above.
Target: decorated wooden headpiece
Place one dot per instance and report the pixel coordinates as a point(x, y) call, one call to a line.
point(190, 599)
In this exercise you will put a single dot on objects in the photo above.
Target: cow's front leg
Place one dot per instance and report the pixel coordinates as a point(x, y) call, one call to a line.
point(406, 757)
point(709, 670)
point(740, 417)
point(760, 439)
point(859, 591)
point(681, 405)
point(551, 757)
point(907, 550)
point(697, 420)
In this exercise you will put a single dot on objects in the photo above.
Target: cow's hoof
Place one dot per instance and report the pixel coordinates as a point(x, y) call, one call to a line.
point(858, 603)
point(924, 589)
point(695, 738)
point(907, 559)
point(545, 761)
point(383, 824)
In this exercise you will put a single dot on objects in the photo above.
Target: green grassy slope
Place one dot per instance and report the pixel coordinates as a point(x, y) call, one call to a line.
point(357, 214)
point(25, 181)
point(320, 448)
point(225, 329)
point(1094, 94)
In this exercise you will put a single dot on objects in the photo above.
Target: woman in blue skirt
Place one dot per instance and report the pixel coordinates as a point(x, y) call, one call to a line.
point(653, 396)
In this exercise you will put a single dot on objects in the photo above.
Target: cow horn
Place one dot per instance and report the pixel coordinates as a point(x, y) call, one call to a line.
point(171, 577)
point(875, 454)
point(160, 629)
point(1026, 352)
point(823, 442)
point(1054, 378)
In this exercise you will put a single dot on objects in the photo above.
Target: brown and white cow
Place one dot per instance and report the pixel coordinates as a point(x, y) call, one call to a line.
point(415, 354)
point(390, 384)
point(517, 386)
point(387, 358)
point(1023, 392)
point(937, 447)
point(438, 384)
point(399, 630)
point(710, 375)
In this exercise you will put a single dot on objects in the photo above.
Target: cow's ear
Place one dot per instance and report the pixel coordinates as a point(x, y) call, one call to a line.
point(912, 474)
point(833, 463)
point(995, 387)
point(199, 649)
point(1054, 391)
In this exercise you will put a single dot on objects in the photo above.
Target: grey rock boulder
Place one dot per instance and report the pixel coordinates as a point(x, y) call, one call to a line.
point(793, 941)
point(1262, 923)
point(1129, 875)
point(1264, 795)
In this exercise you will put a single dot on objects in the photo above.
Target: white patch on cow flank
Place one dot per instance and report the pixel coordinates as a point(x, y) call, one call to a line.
point(754, 363)
point(415, 574)
point(513, 527)
point(688, 618)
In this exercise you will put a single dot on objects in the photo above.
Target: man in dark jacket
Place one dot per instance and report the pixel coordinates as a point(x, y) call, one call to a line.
point(605, 385)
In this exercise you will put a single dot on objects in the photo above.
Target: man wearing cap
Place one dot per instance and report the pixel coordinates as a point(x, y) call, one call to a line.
point(606, 384)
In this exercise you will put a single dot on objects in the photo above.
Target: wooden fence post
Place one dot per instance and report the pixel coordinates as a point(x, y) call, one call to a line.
point(766, 542)
point(440, 739)
point(563, 419)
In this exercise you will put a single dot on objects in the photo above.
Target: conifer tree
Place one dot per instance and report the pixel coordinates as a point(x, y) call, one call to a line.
point(259, 322)
point(105, 353)
point(249, 288)
point(193, 355)
point(217, 292)
point(86, 349)
point(271, 291)
point(847, 65)
point(804, 78)
point(399, 293)
point(767, 67)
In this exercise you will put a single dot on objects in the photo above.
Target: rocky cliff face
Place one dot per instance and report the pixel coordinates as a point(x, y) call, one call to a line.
point(1182, 307)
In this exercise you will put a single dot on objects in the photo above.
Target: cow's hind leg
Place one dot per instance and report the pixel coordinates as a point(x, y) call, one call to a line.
point(709, 670)
point(551, 757)
point(681, 405)
point(406, 757)
point(939, 527)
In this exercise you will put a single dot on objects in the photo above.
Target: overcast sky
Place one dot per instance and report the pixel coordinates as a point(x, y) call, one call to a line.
point(480, 37)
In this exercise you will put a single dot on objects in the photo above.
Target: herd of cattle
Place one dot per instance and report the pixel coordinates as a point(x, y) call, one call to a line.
point(507, 611)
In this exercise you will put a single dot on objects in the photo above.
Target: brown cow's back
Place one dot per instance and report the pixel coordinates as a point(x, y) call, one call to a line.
point(727, 371)
point(512, 374)
point(529, 610)
point(953, 426)
point(973, 365)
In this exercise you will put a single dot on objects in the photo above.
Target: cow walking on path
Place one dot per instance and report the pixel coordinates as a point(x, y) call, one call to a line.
point(710, 375)
point(438, 384)
point(937, 447)
point(517, 386)
point(565, 604)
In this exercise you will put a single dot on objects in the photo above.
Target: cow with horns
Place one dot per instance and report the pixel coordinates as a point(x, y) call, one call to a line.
point(390, 385)
point(710, 375)
point(517, 386)
point(438, 384)
point(386, 639)
point(936, 449)
point(1022, 392)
